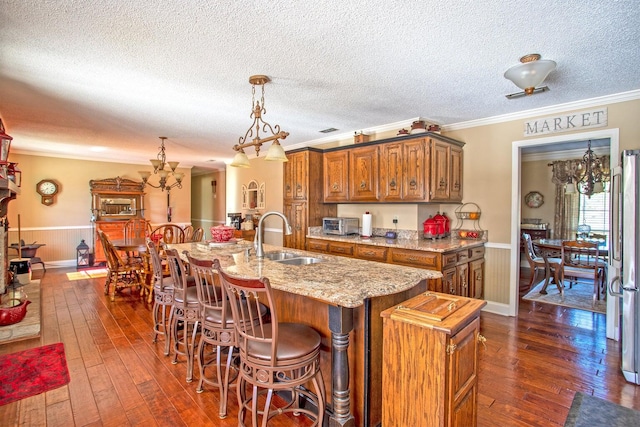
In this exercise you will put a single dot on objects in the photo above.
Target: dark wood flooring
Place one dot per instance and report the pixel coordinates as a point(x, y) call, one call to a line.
point(529, 370)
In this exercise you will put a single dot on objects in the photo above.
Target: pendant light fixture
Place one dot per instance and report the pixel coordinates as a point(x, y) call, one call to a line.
point(158, 168)
point(252, 137)
point(590, 175)
point(529, 74)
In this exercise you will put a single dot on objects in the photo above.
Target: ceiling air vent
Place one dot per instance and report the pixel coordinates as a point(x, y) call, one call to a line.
point(328, 130)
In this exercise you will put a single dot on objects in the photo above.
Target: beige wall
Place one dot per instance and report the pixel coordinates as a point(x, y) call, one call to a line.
point(208, 209)
point(62, 225)
point(536, 176)
point(261, 171)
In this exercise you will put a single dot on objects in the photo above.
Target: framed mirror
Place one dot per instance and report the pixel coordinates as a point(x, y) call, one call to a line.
point(253, 195)
point(116, 199)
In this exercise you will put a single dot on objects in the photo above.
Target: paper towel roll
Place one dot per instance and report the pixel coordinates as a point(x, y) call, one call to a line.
point(367, 229)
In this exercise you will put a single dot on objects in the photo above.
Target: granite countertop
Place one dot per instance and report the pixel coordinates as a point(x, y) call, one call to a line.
point(430, 245)
point(337, 280)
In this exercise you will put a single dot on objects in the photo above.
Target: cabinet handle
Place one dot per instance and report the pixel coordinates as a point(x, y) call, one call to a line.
point(335, 186)
point(451, 348)
point(456, 185)
point(443, 183)
point(410, 258)
point(413, 183)
point(298, 187)
point(482, 340)
point(370, 253)
point(392, 184)
point(363, 185)
point(288, 187)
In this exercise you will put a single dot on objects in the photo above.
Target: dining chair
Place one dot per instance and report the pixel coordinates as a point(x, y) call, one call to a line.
point(274, 356)
point(537, 262)
point(217, 332)
point(185, 313)
point(198, 235)
point(168, 233)
point(581, 260)
point(163, 290)
point(188, 232)
point(122, 273)
point(136, 228)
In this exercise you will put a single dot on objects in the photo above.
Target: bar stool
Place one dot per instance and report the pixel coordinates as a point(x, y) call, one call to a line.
point(163, 289)
point(216, 330)
point(273, 356)
point(186, 311)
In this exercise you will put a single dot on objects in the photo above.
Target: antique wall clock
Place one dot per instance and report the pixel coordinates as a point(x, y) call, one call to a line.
point(47, 189)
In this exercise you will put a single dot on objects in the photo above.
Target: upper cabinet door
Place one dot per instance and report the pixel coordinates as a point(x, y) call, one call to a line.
point(455, 190)
point(391, 176)
point(336, 176)
point(439, 182)
point(295, 176)
point(363, 163)
point(414, 169)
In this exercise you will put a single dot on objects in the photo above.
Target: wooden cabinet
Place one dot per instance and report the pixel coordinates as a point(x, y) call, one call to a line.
point(244, 234)
point(113, 230)
point(295, 173)
point(303, 195)
point(364, 179)
point(439, 182)
point(464, 273)
point(296, 213)
point(455, 190)
point(336, 176)
point(476, 278)
point(402, 171)
point(371, 253)
point(407, 169)
point(462, 269)
point(430, 361)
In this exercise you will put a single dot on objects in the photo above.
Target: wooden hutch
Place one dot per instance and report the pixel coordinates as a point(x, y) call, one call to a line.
point(114, 201)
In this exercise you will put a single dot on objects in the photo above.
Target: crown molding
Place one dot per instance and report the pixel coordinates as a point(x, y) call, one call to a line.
point(576, 105)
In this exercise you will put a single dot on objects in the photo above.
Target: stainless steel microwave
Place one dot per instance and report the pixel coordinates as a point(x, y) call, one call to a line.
point(340, 226)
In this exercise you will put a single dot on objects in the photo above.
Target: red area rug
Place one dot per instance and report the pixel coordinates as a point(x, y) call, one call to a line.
point(30, 372)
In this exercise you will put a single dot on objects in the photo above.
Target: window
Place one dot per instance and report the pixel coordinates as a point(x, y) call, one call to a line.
point(594, 211)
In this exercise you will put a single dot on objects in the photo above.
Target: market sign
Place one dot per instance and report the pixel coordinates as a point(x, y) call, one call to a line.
point(567, 122)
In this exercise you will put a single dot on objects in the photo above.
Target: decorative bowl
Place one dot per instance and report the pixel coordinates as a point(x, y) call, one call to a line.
point(11, 315)
point(221, 233)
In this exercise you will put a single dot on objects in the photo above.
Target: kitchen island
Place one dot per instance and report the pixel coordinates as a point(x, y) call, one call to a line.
point(342, 299)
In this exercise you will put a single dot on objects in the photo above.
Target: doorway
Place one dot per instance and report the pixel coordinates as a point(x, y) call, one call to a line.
point(516, 159)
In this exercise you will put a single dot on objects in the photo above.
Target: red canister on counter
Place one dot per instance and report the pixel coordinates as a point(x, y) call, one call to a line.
point(430, 228)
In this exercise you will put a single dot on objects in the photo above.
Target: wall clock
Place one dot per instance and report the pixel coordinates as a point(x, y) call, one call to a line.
point(47, 189)
point(534, 199)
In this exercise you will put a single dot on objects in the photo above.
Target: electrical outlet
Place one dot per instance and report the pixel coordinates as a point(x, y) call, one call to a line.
point(395, 219)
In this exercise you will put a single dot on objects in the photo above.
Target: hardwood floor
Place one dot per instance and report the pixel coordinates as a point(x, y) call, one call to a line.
point(528, 373)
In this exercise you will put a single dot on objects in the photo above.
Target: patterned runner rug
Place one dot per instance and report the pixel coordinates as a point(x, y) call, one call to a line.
point(590, 411)
point(30, 372)
point(579, 296)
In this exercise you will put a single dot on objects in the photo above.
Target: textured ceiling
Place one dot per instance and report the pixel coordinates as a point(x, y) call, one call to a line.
point(107, 77)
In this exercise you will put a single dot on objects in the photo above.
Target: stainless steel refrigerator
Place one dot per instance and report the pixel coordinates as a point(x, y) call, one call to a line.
point(624, 257)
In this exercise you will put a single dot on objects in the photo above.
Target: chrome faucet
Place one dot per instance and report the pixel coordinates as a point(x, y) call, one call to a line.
point(258, 239)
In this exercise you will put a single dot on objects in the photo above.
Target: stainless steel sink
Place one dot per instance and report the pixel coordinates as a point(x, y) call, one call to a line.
point(301, 260)
point(280, 255)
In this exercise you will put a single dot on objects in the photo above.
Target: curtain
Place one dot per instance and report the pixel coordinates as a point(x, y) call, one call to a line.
point(567, 206)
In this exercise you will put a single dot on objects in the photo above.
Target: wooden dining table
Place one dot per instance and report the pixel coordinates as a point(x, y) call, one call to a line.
point(137, 247)
point(552, 248)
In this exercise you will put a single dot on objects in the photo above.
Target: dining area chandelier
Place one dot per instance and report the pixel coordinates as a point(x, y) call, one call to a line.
point(589, 174)
point(252, 137)
point(159, 164)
